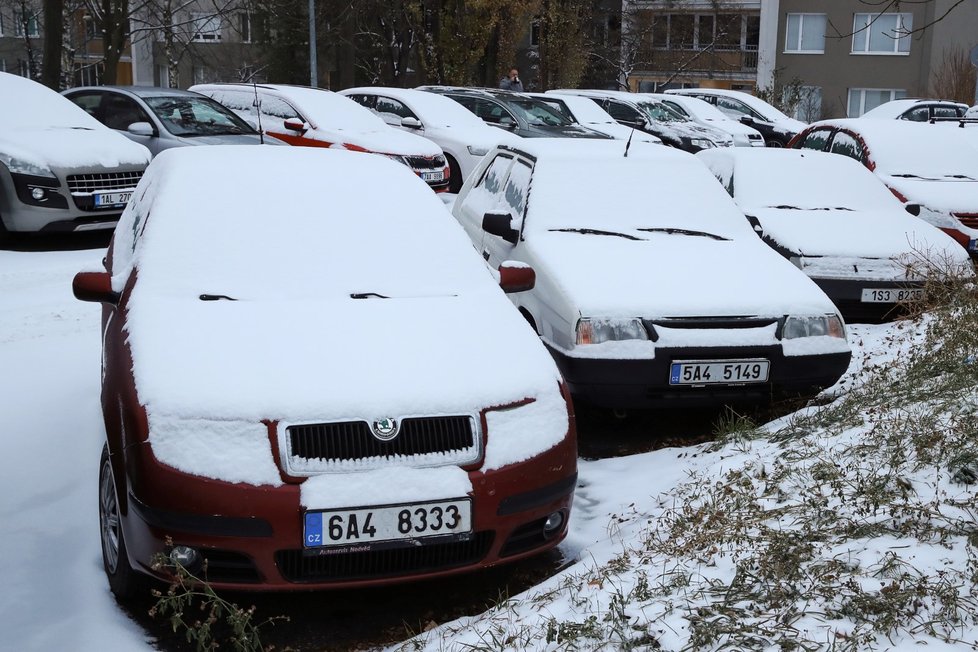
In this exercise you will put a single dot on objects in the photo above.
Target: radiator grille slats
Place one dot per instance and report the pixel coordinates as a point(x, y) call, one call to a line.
point(326, 446)
point(426, 162)
point(89, 183)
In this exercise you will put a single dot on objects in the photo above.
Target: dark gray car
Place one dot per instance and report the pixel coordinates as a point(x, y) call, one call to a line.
point(516, 113)
point(161, 118)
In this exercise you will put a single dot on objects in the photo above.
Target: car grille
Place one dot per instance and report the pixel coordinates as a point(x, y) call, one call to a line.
point(89, 183)
point(970, 220)
point(351, 444)
point(296, 567)
point(426, 162)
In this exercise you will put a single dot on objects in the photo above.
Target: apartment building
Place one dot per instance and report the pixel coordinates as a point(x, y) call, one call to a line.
point(852, 58)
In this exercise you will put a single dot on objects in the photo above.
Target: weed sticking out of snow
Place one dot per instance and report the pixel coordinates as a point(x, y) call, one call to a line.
point(846, 526)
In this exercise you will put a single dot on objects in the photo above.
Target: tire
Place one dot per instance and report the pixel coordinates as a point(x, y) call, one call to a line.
point(125, 583)
point(775, 143)
point(455, 178)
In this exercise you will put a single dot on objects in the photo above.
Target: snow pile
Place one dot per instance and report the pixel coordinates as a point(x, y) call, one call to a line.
point(335, 490)
point(849, 526)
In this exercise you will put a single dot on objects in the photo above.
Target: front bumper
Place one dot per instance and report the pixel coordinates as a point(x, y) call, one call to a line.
point(846, 294)
point(644, 383)
point(251, 536)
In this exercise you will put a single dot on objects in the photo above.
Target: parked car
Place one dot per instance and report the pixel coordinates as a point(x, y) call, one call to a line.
point(775, 126)
point(705, 113)
point(651, 116)
point(934, 171)
point(463, 137)
point(161, 118)
point(585, 112)
point(265, 429)
point(649, 302)
point(917, 110)
point(313, 117)
point(60, 169)
point(515, 112)
point(845, 230)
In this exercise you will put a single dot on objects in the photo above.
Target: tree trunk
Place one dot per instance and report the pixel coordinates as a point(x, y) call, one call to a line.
point(115, 16)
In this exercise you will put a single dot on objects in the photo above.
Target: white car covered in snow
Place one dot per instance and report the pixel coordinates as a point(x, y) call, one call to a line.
point(647, 294)
point(345, 399)
point(586, 112)
point(463, 137)
point(839, 224)
point(707, 114)
point(60, 168)
point(777, 128)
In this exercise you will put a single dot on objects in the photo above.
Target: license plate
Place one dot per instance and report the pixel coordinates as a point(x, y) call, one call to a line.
point(433, 176)
point(368, 525)
point(728, 372)
point(112, 198)
point(891, 295)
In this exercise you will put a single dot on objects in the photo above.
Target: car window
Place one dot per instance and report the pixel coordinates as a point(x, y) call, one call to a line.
point(517, 190)
point(728, 104)
point(622, 112)
point(918, 114)
point(492, 181)
point(240, 101)
point(677, 108)
point(946, 112)
point(119, 111)
point(184, 115)
point(364, 100)
point(278, 108)
point(538, 113)
point(659, 112)
point(488, 111)
point(392, 111)
point(816, 140)
point(845, 144)
point(88, 101)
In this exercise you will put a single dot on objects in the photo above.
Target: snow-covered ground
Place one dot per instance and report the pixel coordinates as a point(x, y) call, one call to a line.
point(56, 597)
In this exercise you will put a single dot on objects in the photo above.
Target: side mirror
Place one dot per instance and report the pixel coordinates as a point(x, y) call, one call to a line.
point(913, 209)
point(747, 120)
point(411, 123)
point(95, 287)
point(516, 277)
point(293, 124)
point(500, 224)
point(141, 129)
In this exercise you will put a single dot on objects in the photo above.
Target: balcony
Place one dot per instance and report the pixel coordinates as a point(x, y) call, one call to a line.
point(720, 62)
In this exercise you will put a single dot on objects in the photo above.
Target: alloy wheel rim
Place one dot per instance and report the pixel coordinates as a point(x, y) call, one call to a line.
point(108, 513)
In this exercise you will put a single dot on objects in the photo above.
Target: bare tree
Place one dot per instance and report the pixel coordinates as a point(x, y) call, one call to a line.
point(27, 16)
point(954, 79)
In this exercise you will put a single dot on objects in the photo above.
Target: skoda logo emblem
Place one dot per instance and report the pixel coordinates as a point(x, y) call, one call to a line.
point(385, 429)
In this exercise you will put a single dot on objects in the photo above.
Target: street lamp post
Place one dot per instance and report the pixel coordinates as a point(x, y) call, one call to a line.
point(313, 73)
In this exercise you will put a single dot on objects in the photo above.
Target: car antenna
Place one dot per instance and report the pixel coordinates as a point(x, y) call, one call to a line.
point(261, 132)
point(629, 143)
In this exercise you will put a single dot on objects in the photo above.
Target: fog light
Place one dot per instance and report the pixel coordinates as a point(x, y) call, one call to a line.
point(184, 556)
point(38, 193)
point(553, 524)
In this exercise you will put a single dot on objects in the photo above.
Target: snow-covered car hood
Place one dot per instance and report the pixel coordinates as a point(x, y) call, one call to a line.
point(672, 275)
point(230, 139)
point(868, 234)
point(68, 147)
point(331, 360)
point(384, 141)
point(949, 195)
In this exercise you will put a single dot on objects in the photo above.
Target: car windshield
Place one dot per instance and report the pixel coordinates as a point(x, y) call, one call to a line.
point(185, 115)
point(659, 112)
point(539, 114)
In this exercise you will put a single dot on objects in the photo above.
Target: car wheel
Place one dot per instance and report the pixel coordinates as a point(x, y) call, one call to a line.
point(455, 178)
point(774, 143)
point(124, 582)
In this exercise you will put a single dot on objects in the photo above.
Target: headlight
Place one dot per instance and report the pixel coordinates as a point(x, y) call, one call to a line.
point(20, 166)
point(595, 331)
point(703, 143)
point(477, 151)
point(820, 326)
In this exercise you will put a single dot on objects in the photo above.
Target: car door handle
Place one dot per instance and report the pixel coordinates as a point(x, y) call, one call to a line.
point(485, 254)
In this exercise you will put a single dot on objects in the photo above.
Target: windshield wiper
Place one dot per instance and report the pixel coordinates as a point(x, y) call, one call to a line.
point(598, 232)
point(673, 231)
point(216, 297)
point(785, 207)
point(958, 176)
point(367, 295)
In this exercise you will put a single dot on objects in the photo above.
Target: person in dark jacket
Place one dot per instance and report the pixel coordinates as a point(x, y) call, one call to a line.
point(511, 82)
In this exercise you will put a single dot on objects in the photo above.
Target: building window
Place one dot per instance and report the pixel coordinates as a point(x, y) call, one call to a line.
point(535, 32)
point(89, 74)
point(805, 33)
point(244, 27)
point(201, 74)
point(207, 27)
point(30, 23)
point(864, 99)
point(163, 75)
point(881, 33)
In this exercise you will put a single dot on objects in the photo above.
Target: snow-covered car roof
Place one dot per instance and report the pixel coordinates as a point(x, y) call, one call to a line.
point(823, 204)
point(260, 304)
point(40, 125)
point(898, 147)
point(895, 108)
point(695, 106)
point(434, 110)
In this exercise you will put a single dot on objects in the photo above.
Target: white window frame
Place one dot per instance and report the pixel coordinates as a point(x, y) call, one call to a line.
point(862, 27)
point(34, 17)
point(862, 99)
point(207, 27)
point(245, 27)
point(796, 48)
